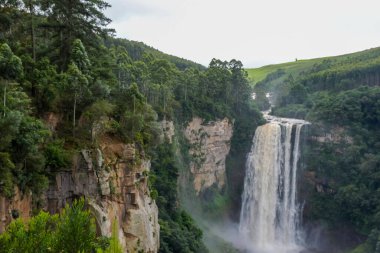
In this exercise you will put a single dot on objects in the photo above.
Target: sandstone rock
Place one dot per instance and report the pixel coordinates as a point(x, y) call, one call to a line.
point(128, 202)
point(115, 187)
point(168, 130)
point(334, 134)
point(20, 204)
point(210, 144)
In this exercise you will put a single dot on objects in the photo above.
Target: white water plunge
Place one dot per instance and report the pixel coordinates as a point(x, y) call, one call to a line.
point(270, 214)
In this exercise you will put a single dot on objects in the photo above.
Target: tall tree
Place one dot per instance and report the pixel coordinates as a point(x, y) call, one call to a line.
point(79, 56)
point(8, 15)
point(30, 6)
point(10, 69)
point(77, 84)
point(75, 19)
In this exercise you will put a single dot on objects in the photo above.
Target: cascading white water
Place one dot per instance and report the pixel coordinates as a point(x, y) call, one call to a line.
point(269, 219)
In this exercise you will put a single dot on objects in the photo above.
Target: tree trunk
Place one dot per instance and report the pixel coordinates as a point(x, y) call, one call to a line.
point(5, 97)
point(119, 76)
point(75, 108)
point(32, 32)
point(185, 92)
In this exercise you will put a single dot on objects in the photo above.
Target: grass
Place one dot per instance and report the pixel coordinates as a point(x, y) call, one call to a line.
point(259, 74)
point(295, 68)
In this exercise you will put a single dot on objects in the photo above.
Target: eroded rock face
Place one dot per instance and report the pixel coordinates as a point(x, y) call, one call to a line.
point(113, 180)
point(20, 206)
point(168, 130)
point(332, 134)
point(210, 144)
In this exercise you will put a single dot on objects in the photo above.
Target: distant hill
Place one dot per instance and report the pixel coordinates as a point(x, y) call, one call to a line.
point(136, 50)
point(277, 73)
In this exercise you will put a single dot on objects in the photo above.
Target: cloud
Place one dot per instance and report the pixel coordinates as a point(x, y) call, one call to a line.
point(254, 31)
point(122, 10)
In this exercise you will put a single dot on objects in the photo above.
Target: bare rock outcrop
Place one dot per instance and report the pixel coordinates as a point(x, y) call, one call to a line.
point(20, 206)
point(168, 130)
point(210, 145)
point(113, 180)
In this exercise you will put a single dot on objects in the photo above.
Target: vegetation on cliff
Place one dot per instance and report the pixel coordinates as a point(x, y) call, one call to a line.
point(71, 231)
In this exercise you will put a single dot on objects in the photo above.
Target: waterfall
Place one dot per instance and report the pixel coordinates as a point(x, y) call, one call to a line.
point(269, 219)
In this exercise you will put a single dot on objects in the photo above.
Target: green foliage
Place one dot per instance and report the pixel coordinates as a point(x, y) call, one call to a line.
point(114, 245)
point(164, 179)
point(178, 232)
point(76, 230)
point(363, 248)
point(349, 165)
point(22, 137)
point(36, 236)
point(6, 182)
point(96, 118)
point(56, 156)
point(371, 245)
point(43, 84)
point(221, 91)
point(10, 64)
point(180, 235)
point(296, 111)
point(79, 56)
point(71, 231)
point(136, 50)
point(137, 118)
point(9, 128)
point(71, 20)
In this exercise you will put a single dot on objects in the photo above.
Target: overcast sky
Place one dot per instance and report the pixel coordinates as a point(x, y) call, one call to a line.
point(257, 32)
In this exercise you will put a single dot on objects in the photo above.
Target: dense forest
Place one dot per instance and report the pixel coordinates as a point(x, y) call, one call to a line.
point(59, 56)
point(340, 96)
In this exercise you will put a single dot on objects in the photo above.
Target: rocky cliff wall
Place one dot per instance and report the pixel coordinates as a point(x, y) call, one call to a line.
point(113, 180)
point(20, 206)
point(209, 147)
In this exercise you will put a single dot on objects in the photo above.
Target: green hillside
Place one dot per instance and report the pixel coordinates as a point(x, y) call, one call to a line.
point(259, 74)
point(303, 66)
point(137, 49)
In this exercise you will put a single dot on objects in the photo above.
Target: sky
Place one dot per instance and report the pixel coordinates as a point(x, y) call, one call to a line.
point(257, 32)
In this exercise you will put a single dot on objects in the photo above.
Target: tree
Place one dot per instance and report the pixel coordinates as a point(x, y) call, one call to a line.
point(44, 82)
point(9, 16)
point(75, 19)
point(10, 69)
point(30, 6)
point(72, 231)
point(122, 61)
point(6, 181)
point(94, 113)
point(76, 231)
point(77, 84)
point(79, 56)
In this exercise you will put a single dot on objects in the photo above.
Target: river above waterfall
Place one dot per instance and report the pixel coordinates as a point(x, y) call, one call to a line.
point(270, 214)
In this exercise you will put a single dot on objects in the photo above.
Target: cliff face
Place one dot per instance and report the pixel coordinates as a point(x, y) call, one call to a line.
point(19, 206)
point(209, 146)
point(168, 130)
point(114, 182)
